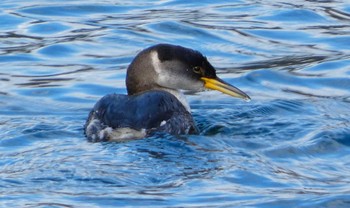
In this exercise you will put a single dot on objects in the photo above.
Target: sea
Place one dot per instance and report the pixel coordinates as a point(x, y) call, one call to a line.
point(288, 147)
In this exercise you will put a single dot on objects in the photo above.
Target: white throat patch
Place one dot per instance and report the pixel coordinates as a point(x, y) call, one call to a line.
point(180, 96)
point(163, 81)
point(156, 62)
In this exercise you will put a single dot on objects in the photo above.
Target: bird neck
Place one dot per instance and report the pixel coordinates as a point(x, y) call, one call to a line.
point(179, 96)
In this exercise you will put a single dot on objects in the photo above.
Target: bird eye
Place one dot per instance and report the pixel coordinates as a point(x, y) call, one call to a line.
point(197, 69)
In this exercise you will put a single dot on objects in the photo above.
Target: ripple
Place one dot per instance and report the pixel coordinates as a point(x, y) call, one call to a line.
point(297, 16)
point(288, 147)
point(74, 10)
point(57, 50)
point(10, 22)
point(48, 28)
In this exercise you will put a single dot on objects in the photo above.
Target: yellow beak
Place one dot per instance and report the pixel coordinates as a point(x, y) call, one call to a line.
point(222, 86)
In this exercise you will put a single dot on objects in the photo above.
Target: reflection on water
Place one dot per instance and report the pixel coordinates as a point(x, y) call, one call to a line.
point(288, 147)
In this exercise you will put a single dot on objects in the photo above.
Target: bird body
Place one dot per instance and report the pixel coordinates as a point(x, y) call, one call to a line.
point(154, 102)
point(165, 113)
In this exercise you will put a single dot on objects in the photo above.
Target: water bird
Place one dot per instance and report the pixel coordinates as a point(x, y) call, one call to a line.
point(155, 81)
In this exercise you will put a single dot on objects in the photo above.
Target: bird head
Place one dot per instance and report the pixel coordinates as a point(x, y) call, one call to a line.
point(166, 66)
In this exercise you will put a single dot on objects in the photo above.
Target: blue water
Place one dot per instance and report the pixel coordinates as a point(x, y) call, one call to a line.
point(288, 147)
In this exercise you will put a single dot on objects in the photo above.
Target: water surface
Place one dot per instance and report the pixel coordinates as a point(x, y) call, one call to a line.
point(288, 147)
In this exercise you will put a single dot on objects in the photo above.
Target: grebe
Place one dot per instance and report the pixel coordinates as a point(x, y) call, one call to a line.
point(154, 102)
